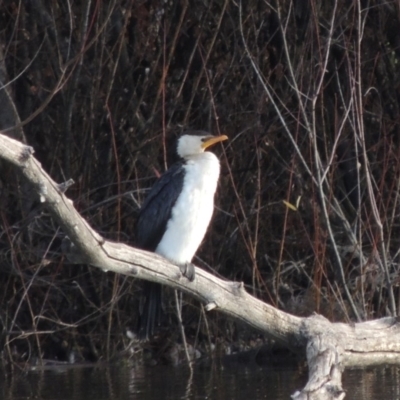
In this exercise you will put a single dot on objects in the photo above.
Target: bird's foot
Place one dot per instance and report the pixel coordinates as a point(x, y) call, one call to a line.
point(187, 270)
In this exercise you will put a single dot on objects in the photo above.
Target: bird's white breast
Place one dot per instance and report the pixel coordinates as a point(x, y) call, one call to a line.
point(192, 211)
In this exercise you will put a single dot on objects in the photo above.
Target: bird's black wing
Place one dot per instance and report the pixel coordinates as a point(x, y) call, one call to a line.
point(157, 208)
point(150, 227)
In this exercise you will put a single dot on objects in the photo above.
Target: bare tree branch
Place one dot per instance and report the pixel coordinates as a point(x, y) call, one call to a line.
point(329, 347)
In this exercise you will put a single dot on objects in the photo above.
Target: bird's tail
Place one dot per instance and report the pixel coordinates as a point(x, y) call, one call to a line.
point(150, 310)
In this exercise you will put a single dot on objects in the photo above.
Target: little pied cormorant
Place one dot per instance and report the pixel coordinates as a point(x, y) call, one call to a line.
point(175, 215)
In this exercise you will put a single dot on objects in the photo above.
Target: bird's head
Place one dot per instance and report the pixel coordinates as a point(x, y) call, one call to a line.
point(196, 142)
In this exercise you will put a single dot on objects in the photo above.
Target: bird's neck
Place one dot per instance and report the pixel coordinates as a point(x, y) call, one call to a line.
point(202, 157)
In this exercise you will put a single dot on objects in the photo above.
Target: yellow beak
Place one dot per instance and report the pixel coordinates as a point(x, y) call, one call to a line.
point(212, 140)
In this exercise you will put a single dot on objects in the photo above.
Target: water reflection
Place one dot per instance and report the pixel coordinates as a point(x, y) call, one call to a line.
point(209, 381)
point(373, 383)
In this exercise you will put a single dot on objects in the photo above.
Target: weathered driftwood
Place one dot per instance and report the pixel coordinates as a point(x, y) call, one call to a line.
point(329, 347)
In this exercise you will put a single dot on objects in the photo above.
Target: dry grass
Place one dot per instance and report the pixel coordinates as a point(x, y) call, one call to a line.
point(308, 204)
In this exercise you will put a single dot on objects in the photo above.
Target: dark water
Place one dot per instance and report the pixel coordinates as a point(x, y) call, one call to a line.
point(166, 382)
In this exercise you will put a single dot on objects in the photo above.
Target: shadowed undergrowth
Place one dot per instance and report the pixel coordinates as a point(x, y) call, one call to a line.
point(308, 202)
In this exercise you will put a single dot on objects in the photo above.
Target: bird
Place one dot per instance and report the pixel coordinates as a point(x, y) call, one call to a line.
point(175, 215)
